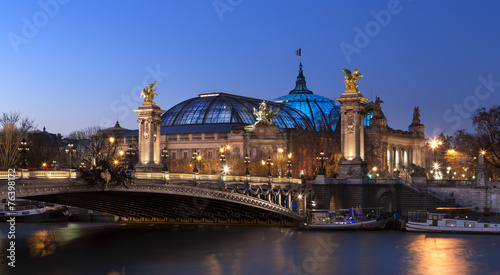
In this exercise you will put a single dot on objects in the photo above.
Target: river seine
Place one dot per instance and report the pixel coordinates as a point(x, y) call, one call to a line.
point(112, 249)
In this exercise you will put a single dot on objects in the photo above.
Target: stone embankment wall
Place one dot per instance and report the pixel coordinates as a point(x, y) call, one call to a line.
point(482, 198)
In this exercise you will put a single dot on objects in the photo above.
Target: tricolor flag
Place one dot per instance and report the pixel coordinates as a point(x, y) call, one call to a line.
point(298, 52)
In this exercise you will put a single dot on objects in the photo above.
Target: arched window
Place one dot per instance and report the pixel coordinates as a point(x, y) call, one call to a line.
point(368, 116)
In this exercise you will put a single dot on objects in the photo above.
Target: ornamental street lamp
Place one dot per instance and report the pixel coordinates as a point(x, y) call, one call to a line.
point(164, 155)
point(130, 155)
point(280, 156)
point(70, 151)
point(289, 165)
point(322, 158)
point(268, 162)
point(247, 161)
point(222, 159)
point(194, 157)
point(23, 149)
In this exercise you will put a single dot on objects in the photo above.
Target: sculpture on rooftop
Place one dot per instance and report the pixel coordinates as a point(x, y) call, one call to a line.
point(416, 116)
point(149, 92)
point(351, 78)
point(377, 110)
point(265, 114)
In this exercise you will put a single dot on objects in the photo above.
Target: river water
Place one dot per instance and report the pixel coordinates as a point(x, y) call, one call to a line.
point(111, 249)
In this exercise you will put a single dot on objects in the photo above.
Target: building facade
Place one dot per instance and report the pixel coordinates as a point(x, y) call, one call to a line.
point(213, 123)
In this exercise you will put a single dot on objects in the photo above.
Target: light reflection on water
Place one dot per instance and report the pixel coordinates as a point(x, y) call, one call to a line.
point(91, 248)
point(42, 243)
point(442, 254)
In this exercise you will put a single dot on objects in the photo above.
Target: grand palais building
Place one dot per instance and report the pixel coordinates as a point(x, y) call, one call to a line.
point(200, 129)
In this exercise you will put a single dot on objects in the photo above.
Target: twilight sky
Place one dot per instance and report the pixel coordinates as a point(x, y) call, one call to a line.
point(72, 64)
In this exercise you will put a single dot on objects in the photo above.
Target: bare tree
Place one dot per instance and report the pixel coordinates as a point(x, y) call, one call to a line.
point(486, 138)
point(95, 144)
point(13, 130)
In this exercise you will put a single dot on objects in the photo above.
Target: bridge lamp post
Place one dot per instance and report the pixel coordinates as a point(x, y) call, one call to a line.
point(247, 161)
point(374, 169)
point(198, 158)
point(322, 158)
point(222, 160)
point(164, 155)
point(23, 149)
point(280, 156)
point(436, 170)
point(54, 164)
point(289, 166)
point(70, 151)
point(268, 162)
point(44, 165)
point(130, 155)
point(194, 157)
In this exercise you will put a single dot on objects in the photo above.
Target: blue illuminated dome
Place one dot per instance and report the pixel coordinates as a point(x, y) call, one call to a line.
point(321, 111)
point(223, 108)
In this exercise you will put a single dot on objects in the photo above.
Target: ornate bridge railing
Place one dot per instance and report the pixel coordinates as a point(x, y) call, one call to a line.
point(72, 174)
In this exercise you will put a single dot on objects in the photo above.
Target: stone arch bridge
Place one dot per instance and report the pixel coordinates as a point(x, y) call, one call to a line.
point(176, 198)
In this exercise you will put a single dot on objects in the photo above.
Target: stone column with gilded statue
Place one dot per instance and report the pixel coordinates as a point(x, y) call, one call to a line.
point(149, 131)
point(352, 165)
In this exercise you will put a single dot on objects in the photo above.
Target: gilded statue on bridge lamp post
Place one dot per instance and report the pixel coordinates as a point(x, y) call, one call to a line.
point(149, 92)
point(350, 80)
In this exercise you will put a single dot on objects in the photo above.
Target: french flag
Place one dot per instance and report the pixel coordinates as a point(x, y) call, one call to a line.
point(298, 52)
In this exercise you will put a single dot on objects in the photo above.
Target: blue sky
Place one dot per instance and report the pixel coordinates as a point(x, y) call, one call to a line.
point(72, 64)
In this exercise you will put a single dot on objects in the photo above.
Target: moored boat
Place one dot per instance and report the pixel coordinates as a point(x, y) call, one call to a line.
point(342, 219)
point(440, 222)
point(35, 213)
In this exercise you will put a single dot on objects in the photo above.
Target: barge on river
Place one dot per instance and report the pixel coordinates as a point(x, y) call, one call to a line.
point(440, 222)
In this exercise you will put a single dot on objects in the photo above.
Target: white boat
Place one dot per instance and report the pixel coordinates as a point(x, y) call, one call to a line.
point(342, 219)
point(34, 213)
point(439, 222)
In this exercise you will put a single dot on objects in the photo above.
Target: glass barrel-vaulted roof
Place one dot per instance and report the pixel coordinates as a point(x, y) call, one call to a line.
point(223, 108)
point(321, 111)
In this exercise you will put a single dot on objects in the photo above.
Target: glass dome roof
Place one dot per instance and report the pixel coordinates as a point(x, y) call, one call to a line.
point(320, 110)
point(223, 108)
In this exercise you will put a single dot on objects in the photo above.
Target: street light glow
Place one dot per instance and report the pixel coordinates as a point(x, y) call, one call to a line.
point(111, 139)
point(434, 144)
point(226, 169)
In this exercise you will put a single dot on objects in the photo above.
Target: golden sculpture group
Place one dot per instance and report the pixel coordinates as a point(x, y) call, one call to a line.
point(149, 92)
point(351, 78)
point(265, 114)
